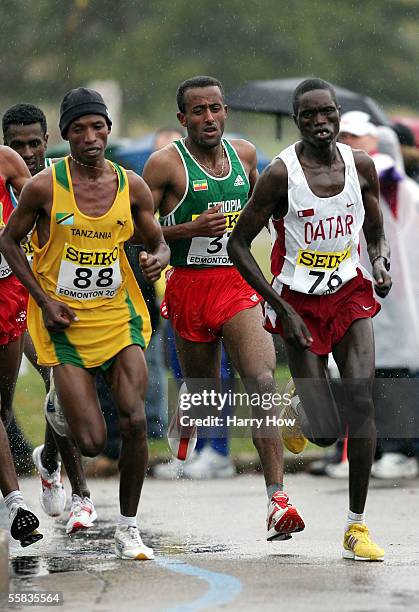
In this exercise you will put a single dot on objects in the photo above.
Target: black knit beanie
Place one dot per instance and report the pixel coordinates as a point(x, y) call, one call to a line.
point(79, 102)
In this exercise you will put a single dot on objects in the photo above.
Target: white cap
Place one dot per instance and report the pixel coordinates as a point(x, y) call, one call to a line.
point(357, 123)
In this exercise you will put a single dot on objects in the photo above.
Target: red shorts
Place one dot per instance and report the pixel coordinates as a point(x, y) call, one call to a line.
point(199, 301)
point(13, 307)
point(328, 317)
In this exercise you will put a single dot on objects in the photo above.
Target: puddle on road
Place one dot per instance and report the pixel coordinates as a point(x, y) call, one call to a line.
point(26, 567)
point(93, 551)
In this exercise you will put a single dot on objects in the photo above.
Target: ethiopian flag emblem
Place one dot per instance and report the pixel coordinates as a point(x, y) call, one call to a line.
point(200, 185)
point(64, 218)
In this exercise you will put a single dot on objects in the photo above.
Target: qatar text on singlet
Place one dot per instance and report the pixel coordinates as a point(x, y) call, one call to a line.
point(315, 246)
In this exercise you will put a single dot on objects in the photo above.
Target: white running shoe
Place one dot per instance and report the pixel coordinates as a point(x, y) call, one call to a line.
point(53, 411)
point(337, 470)
point(395, 465)
point(52, 496)
point(209, 464)
point(82, 514)
point(129, 545)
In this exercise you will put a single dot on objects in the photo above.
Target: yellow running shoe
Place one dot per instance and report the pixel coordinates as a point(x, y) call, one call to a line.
point(357, 545)
point(292, 436)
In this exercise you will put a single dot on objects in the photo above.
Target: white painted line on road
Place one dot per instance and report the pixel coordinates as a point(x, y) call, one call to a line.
point(223, 588)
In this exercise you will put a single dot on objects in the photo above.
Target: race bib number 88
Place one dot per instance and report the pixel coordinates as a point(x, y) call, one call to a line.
point(88, 275)
point(212, 251)
point(320, 273)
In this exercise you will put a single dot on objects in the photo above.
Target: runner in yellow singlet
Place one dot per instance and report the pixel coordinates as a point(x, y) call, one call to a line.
point(25, 131)
point(86, 311)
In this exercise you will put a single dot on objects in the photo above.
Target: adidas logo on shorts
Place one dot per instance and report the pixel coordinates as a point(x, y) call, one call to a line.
point(239, 181)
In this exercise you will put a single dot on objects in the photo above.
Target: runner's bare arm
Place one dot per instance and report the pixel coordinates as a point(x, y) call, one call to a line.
point(32, 201)
point(20, 224)
point(148, 230)
point(377, 245)
point(269, 197)
point(14, 169)
point(160, 175)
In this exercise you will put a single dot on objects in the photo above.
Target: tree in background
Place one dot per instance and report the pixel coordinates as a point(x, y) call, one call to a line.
point(149, 47)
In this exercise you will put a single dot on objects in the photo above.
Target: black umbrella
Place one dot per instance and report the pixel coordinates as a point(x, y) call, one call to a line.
point(276, 97)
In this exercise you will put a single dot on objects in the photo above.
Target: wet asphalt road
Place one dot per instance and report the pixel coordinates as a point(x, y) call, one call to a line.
point(211, 553)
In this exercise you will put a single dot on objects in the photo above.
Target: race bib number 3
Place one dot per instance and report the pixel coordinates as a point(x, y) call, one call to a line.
point(5, 269)
point(88, 275)
point(212, 251)
point(320, 273)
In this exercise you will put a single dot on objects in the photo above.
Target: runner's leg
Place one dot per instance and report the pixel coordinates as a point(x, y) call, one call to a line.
point(253, 355)
point(127, 379)
point(20, 447)
point(23, 522)
point(321, 421)
point(354, 356)
point(72, 460)
point(199, 359)
point(77, 395)
point(10, 359)
point(8, 478)
point(53, 496)
point(252, 352)
point(128, 383)
point(70, 454)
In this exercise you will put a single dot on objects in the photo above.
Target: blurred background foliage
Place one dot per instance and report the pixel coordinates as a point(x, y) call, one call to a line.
point(48, 47)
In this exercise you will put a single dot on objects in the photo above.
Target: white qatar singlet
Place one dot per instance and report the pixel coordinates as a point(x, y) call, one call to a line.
point(315, 246)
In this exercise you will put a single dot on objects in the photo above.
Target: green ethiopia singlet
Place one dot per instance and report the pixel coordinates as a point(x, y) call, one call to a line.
point(204, 191)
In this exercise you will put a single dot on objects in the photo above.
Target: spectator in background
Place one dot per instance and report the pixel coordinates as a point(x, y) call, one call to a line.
point(397, 325)
point(165, 136)
point(409, 150)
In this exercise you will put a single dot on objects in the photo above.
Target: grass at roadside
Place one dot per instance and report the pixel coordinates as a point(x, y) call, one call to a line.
point(29, 405)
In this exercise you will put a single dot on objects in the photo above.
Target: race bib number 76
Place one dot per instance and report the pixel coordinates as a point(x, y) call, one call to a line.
point(88, 275)
point(321, 273)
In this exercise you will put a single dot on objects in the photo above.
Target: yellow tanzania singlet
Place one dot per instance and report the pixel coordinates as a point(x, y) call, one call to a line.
point(84, 265)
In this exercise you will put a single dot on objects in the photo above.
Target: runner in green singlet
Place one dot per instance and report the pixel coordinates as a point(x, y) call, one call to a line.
point(200, 186)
